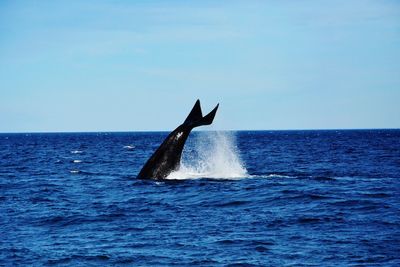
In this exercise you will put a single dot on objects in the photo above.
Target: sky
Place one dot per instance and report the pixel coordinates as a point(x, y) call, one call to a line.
point(72, 66)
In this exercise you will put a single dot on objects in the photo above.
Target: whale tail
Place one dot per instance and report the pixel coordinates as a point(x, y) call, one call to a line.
point(195, 117)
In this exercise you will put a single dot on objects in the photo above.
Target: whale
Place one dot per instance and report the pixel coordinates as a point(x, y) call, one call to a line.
point(167, 158)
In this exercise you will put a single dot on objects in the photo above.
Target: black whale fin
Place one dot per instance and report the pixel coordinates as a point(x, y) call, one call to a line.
point(195, 117)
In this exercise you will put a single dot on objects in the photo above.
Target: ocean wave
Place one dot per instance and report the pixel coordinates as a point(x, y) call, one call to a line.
point(274, 175)
point(69, 259)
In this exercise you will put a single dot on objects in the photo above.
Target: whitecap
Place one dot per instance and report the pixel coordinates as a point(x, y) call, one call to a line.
point(77, 161)
point(76, 151)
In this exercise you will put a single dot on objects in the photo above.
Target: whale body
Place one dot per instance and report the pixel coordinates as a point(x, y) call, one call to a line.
point(167, 157)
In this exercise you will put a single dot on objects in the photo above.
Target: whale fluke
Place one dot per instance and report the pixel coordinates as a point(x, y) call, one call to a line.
point(167, 157)
point(195, 117)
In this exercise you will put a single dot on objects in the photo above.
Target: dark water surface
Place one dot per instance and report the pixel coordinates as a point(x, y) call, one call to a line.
point(309, 198)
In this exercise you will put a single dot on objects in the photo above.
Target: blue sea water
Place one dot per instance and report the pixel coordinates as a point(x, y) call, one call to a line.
point(248, 198)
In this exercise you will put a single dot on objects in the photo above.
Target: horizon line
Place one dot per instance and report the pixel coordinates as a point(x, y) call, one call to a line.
point(230, 130)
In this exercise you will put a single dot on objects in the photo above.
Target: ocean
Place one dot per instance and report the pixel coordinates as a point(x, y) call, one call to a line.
point(246, 198)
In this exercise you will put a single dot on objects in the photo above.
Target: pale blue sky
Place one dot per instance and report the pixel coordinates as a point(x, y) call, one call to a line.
point(140, 65)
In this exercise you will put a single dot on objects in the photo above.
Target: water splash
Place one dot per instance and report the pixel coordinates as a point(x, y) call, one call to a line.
point(211, 155)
